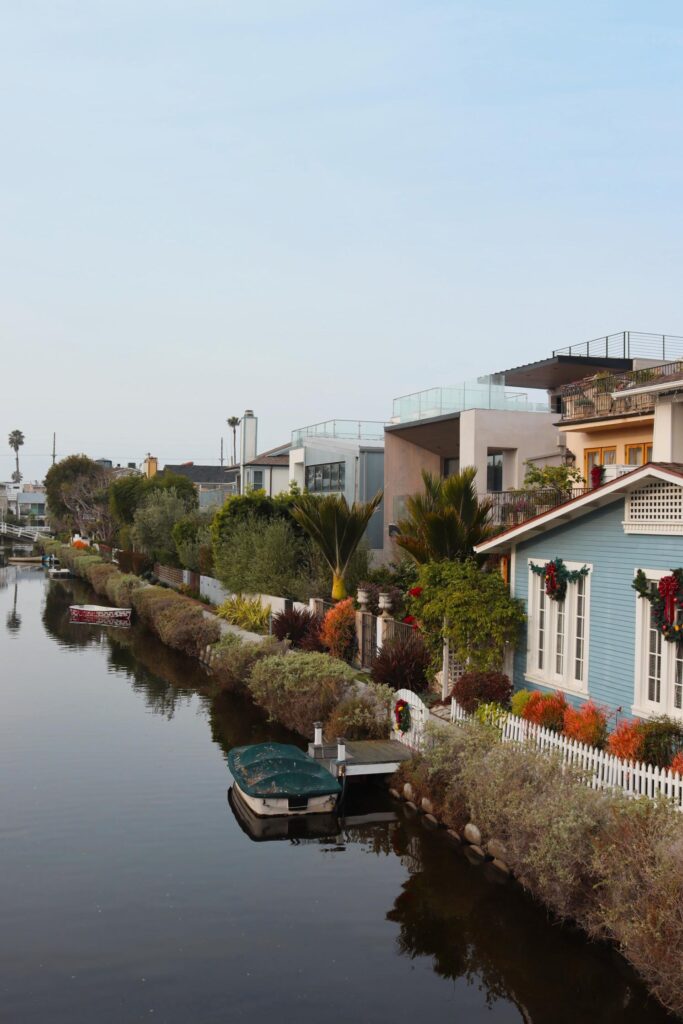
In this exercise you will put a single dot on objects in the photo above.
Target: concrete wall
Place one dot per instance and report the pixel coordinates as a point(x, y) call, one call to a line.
point(519, 435)
point(403, 465)
point(668, 431)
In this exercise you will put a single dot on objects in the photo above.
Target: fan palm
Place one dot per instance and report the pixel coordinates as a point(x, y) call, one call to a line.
point(337, 528)
point(15, 441)
point(447, 520)
point(233, 423)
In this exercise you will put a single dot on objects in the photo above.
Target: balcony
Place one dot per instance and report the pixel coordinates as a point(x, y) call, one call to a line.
point(487, 392)
point(606, 395)
point(627, 345)
point(342, 430)
point(512, 508)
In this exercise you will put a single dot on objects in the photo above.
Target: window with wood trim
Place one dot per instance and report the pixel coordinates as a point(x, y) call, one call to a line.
point(598, 457)
point(638, 454)
point(557, 650)
point(659, 662)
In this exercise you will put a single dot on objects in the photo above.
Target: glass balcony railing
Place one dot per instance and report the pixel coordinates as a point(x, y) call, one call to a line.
point(483, 393)
point(343, 430)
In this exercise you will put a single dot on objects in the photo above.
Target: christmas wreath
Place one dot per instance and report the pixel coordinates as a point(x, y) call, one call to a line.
point(402, 715)
point(557, 576)
point(665, 601)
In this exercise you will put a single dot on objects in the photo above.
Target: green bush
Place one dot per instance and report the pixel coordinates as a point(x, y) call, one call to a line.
point(262, 556)
point(362, 716)
point(662, 740)
point(176, 620)
point(98, 573)
point(519, 700)
point(233, 659)
point(246, 612)
point(299, 689)
point(120, 589)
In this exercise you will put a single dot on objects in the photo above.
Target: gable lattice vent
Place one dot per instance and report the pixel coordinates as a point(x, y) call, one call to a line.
point(656, 508)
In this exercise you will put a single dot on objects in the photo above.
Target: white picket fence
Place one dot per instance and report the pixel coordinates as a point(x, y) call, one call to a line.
point(602, 770)
point(419, 715)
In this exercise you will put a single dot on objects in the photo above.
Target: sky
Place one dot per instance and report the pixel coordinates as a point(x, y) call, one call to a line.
point(309, 208)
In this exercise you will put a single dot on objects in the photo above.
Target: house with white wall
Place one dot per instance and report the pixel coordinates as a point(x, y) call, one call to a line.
point(341, 457)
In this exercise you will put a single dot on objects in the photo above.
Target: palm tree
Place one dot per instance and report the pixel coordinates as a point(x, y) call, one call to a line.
point(16, 439)
point(337, 528)
point(233, 423)
point(447, 520)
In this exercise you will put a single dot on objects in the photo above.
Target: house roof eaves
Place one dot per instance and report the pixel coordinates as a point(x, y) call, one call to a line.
point(576, 507)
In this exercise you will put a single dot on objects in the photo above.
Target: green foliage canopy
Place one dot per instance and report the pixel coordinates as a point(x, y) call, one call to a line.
point(447, 520)
point(472, 608)
point(153, 524)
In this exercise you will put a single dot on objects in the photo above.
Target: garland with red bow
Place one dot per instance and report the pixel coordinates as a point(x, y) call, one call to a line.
point(557, 577)
point(402, 715)
point(665, 601)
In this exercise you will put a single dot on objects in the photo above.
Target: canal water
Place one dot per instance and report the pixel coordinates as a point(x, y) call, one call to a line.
point(130, 892)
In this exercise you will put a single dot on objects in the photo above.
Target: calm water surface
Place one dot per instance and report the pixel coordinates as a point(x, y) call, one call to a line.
point(131, 893)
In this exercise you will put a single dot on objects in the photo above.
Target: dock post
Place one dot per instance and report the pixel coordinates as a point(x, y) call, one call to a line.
point(318, 734)
point(341, 749)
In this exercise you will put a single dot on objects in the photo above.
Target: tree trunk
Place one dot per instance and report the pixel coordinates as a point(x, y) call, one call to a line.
point(338, 587)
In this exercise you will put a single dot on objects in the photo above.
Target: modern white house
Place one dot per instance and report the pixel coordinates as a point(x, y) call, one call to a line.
point(341, 457)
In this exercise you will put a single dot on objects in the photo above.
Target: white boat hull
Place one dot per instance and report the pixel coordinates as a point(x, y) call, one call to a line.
point(280, 806)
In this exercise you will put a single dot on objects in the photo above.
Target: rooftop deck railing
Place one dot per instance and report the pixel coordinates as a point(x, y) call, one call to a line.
point(483, 393)
point(343, 430)
point(628, 345)
point(607, 395)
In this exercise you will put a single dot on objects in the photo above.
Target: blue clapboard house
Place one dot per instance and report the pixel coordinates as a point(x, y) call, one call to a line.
point(603, 641)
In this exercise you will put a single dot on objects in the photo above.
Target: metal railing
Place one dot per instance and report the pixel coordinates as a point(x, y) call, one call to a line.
point(511, 508)
point(607, 394)
point(628, 345)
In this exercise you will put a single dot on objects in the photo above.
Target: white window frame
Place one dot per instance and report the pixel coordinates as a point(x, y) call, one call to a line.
point(642, 706)
point(547, 675)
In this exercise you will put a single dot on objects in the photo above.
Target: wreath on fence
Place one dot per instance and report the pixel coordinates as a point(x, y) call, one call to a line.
point(665, 601)
point(557, 576)
point(402, 715)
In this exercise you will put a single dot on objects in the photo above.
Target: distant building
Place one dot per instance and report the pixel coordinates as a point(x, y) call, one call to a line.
point(341, 457)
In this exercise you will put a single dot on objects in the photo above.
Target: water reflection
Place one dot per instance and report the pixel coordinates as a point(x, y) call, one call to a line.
point(13, 616)
point(212, 905)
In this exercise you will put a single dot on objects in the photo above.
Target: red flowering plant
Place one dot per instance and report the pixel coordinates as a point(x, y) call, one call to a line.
point(677, 763)
point(587, 724)
point(627, 740)
point(546, 709)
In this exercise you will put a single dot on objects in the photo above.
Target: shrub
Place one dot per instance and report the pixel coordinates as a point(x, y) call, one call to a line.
point(491, 714)
point(363, 716)
point(153, 523)
point(519, 701)
point(258, 555)
point(98, 573)
point(246, 612)
point(402, 663)
point(120, 589)
point(233, 660)
point(338, 632)
point(662, 740)
point(546, 709)
point(178, 622)
point(638, 858)
point(295, 625)
point(298, 689)
point(677, 763)
point(134, 562)
point(627, 740)
point(587, 724)
point(475, 688)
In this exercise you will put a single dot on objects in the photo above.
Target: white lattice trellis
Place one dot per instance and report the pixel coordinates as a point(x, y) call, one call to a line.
point(655, 508)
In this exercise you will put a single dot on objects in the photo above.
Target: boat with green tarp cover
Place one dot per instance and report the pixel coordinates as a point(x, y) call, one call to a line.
point(278, 778)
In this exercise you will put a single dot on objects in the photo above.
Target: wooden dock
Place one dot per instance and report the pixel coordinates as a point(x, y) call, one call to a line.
point(362, 757)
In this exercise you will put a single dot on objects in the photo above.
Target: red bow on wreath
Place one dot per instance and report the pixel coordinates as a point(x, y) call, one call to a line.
point(668, 588)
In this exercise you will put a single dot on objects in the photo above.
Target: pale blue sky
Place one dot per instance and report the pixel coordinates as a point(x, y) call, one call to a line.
point(309, 208)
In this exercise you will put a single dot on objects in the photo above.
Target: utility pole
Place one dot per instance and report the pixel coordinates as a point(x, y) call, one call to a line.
point(54, 448)
point(221, 453)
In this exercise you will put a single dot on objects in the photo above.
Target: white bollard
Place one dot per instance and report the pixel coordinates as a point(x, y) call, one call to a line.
point(318, 734)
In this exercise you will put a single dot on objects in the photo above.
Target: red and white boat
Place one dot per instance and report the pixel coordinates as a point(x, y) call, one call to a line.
point(100, 614)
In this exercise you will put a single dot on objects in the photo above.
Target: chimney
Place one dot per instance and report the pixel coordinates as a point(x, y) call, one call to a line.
point(150, 465)
point(247, 444)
